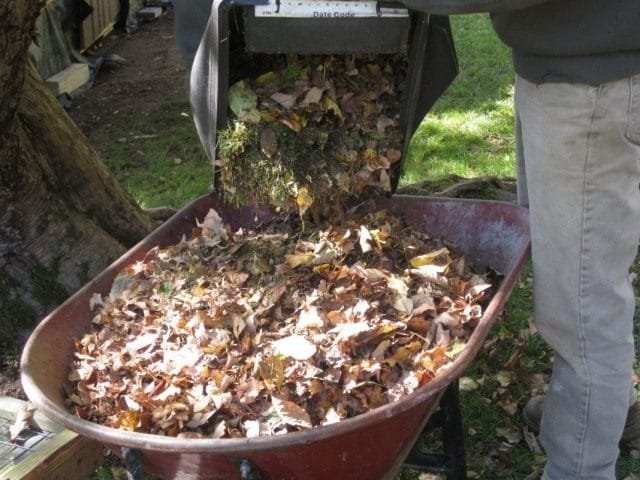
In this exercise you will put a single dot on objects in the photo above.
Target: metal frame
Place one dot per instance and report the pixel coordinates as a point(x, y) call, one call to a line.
point(432, 67)
point(451, 462)
point(29, 440)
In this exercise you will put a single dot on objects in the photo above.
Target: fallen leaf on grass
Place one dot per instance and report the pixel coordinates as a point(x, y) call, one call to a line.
point(268, 142)
point(504, 378)
point(532, 442)
point(243, 102)
point(511, 435)
point(468, 384)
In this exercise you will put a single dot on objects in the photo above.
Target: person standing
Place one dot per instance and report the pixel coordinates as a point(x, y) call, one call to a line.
point(577, 103)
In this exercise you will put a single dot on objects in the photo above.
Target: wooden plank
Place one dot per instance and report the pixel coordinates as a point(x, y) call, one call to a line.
point(69, 79)
point(106, 30)
point(60, 455)
point(71, 457)
point(149, 13)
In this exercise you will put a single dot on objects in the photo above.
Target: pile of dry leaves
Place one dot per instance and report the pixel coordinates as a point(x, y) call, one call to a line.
point(314, 134)
point(262, 332)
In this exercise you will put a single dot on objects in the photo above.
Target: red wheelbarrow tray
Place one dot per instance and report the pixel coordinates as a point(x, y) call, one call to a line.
point(370, 446)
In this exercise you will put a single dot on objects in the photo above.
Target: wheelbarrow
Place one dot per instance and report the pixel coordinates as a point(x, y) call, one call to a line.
point(370, 446)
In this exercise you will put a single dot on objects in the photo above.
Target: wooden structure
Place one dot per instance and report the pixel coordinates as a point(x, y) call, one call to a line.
point(99, 23)
point(45, 449)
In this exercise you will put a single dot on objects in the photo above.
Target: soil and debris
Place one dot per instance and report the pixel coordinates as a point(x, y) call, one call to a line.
point(262, 332)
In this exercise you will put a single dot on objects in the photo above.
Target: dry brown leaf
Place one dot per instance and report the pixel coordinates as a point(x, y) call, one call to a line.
point(313, 95)
point(22, 421)
point(290, 413)
point(288, 101)
point(268, 142)
point(294, 346)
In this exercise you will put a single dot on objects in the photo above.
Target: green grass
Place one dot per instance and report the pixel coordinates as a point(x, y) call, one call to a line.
point(159, 159)
point(469, 132)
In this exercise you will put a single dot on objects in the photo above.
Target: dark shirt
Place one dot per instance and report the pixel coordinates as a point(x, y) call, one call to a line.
point(574, 41)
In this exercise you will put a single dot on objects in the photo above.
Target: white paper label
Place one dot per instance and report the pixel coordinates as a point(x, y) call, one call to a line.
point(326, 9)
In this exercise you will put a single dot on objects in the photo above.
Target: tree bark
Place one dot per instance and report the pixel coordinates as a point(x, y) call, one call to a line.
point(63, 217)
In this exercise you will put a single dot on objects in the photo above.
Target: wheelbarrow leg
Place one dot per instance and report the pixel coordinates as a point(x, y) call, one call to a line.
point(453, 433)
point(132, 461)
point(449, 419)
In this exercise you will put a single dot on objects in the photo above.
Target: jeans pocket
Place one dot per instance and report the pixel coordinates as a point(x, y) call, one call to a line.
point(633, 121)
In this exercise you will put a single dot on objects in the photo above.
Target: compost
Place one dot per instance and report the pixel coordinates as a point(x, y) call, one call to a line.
point(274, 329)
point(314, 134)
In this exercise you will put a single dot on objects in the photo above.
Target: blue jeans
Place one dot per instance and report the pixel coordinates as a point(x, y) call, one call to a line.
point(579, 172)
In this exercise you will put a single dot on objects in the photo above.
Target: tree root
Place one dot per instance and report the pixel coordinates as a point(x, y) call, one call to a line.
point(454, 186)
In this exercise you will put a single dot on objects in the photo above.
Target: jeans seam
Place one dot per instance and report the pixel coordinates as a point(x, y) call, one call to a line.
point(582, 340)
point(632, 131)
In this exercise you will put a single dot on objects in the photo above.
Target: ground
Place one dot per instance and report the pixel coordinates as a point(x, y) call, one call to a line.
point(140, 71)
point(10, 381)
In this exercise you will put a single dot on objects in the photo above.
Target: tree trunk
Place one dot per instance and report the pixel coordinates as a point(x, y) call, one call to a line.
point(63, 217)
